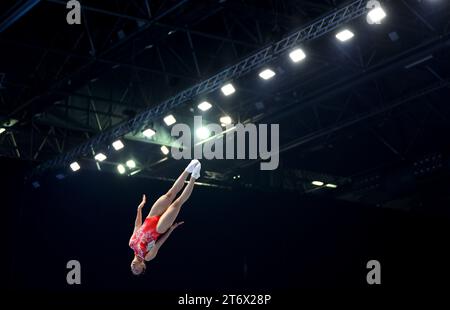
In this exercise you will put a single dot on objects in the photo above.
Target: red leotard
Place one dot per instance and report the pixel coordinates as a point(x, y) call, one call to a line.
point(145, 237)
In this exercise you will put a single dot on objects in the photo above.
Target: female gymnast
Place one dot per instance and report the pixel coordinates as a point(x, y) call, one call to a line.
point(149, 236)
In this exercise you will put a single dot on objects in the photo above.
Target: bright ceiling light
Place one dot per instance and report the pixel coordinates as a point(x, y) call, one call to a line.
point(267, 74)
point(225, 120)
point(203, 133)
point(75, 166)
point(121, 168)
point(228, 89)
point(170, 120)
point(165, 150)
point(2, 130)
point(377, 15)
point(204, 106)
point(118, 145)
point(345, 35)
point(317, 183)
point(297, 55)
point(100, 157)
point(331, 185)
point(131, 164)
point(148, 133)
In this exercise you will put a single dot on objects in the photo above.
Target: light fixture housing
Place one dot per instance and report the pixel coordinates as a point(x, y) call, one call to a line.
point(297, 55)
point(170, 120)
point(203, 133)
point(345, 35)
point(75, 166)
point(118, 145)
point(204, 106)
point(267, 74)
point(148, 133)
point(165, 150)
point(376, 15)
point(121, 168)
point(100, 157)
point(131, 164)
point(228, 89)
point(225, 120)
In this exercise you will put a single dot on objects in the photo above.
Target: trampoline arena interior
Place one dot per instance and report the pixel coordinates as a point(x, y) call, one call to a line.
point(336, 176)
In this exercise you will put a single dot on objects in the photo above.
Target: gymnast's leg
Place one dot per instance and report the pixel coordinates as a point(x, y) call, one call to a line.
point(170, 215)
point(163, 202)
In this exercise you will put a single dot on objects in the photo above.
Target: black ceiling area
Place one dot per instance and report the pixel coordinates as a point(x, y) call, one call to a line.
point(371, 115)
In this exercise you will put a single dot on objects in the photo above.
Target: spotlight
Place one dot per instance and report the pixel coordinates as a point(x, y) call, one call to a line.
point(345, 35)
point(228, 89)
point(75, 166)
point(329, 185)
point(164, 150)
point(317, 183)
point(225, 120)
point(148, 133)
point(131, 164)
point(121, 168)
point(118, 145)
point(203, 133)
point(267, 74)
point(170, 120)
point(2, 130)
point(297, 55)
point(377, 15)
point(204, 106)
point(100, 157)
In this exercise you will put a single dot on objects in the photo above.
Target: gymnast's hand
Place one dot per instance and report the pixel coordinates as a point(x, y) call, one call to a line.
point(175, 225)
point(144, 200)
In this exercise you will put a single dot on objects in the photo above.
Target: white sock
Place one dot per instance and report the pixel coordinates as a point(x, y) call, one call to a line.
point(196, 172)
point(192, 165)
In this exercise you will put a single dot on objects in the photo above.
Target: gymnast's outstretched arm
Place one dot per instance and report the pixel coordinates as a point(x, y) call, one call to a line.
point(138, 221)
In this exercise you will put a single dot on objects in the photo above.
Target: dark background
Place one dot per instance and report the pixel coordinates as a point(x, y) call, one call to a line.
point(231, 240)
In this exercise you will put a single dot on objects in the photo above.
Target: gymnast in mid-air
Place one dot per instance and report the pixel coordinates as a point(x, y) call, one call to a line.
point(148, 237)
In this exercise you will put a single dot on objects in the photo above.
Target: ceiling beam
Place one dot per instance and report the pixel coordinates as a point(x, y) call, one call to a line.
point(18, 14)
